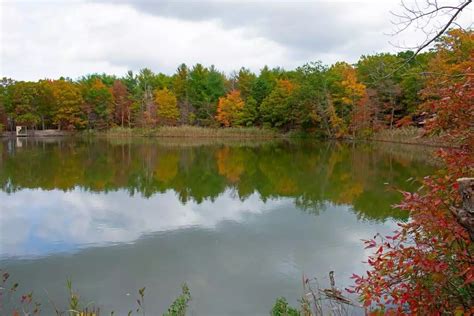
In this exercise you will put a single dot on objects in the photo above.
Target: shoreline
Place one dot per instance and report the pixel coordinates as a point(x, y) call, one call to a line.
point(406, 136)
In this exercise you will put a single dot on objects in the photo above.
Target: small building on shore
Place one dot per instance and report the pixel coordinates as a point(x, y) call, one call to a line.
point(21, 131)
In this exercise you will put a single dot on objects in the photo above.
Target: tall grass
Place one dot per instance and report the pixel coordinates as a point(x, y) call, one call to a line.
point(195, 132)
point(411, 135)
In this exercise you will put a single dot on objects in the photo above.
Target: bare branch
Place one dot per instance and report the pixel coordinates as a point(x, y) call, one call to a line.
point(422, 19)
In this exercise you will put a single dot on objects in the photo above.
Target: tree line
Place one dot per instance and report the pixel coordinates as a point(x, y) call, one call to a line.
point(380, 91)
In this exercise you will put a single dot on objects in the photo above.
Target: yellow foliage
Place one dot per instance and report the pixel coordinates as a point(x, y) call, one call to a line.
point(167, 106)
point(350, 89)
point(167, 167)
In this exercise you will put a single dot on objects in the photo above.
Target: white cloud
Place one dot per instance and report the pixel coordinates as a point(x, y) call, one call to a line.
point(52, 40)
point(72, 38)
point(33, 219)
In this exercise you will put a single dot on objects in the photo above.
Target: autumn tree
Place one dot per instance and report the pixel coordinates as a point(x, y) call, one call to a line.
point(167, 107)
point(68, 103)
point(45, 103)
point(122, 103)
point(362, 118)
point(230, 109)
point(345, 89)
point(144, 109)
point(449, 93)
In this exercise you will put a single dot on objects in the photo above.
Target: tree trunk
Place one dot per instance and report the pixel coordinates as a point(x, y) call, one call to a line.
point(465, 214)
point(391, 118)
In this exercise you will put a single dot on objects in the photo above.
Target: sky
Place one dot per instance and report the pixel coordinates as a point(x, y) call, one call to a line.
point(48, 39)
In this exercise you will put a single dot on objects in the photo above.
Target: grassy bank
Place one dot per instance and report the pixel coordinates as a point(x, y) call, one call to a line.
point(412, 135)
point(194, 132)
point(406, 135)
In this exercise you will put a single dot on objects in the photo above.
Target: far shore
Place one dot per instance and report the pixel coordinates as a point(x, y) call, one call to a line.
point(409, 135)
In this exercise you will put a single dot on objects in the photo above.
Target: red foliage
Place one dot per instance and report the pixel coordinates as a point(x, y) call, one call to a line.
point(427, 266)
point(454, 110)
point(405, 121)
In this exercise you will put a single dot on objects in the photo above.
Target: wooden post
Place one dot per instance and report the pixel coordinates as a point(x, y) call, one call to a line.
point(465, 214)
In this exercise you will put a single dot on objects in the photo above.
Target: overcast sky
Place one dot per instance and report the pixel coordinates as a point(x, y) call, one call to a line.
point(49, 39)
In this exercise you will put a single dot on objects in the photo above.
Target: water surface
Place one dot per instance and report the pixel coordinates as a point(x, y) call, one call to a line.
point(239, 221)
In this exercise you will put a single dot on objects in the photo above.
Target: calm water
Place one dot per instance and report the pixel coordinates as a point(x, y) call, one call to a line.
point(240, 222)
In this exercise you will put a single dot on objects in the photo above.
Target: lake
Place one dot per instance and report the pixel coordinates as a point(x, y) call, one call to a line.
point(240, 221)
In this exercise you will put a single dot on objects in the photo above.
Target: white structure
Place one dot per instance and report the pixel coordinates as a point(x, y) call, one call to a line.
point(21, 131)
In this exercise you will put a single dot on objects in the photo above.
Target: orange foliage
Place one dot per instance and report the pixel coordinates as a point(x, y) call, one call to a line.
point(230, 165)
point(229, 108)
point(449, 93)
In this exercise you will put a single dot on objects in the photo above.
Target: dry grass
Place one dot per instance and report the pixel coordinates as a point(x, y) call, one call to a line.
point(196, 132)
point(411, 135)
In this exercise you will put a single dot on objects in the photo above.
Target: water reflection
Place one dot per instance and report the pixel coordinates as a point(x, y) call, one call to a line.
point(240, 222)
point(38, 222)
point(310, 172)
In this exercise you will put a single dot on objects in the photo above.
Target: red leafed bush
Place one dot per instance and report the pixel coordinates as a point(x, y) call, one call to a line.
point(427, 266)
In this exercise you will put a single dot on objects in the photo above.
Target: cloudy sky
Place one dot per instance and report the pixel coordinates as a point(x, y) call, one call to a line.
point(48, 39)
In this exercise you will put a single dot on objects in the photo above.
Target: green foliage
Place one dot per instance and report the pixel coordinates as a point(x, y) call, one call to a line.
point(28, 305)
point(311, 96)
point(246, 81)
point(180, 305)
point(106, 79)
point(73, 298)
point(24, 102)
point(205, 86)
point(180, 83)
point(98, 103)
point(281, 308)
point(263, 85)
point(276, 108)
point(249, 114)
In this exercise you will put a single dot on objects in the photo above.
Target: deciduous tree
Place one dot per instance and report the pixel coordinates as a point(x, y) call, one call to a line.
point(230, 109)
point(122, 103)
point(276, 108)
point(166, 107)
point(68, 103)
point(98, 104)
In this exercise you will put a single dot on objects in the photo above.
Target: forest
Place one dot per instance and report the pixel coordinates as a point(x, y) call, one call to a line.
point(380, 91)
